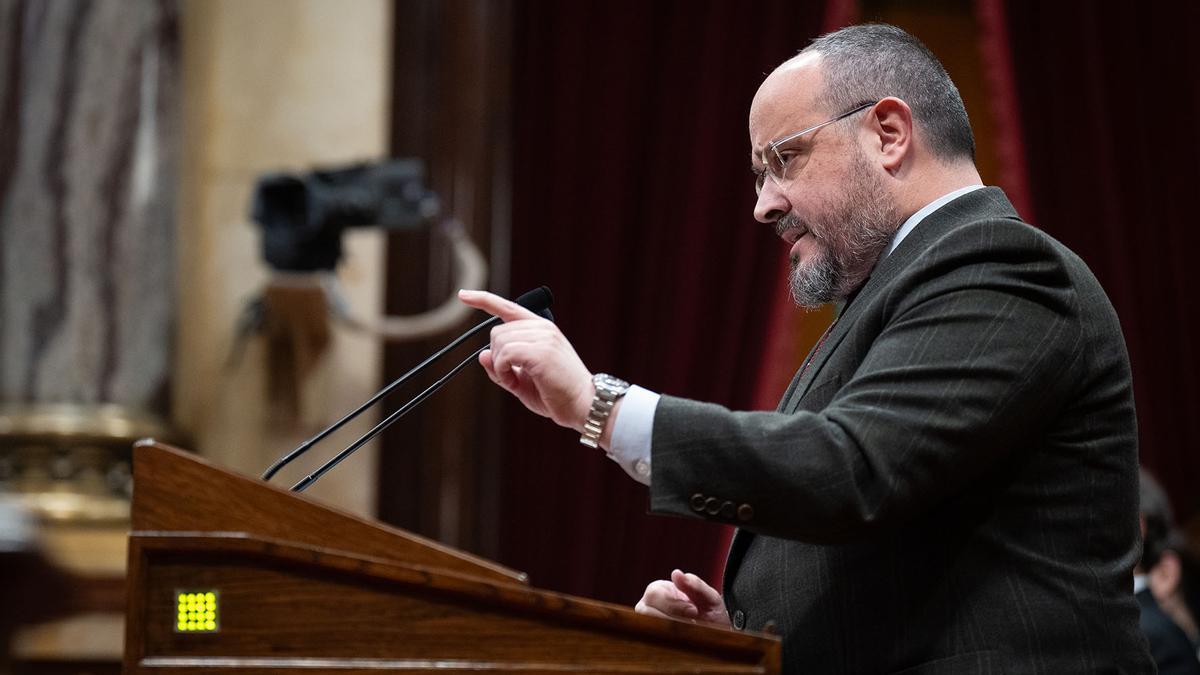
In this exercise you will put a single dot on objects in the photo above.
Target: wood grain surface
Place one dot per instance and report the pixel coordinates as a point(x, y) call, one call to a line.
point(177, 491)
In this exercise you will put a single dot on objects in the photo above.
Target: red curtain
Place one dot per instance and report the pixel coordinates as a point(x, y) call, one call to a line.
point(632, 200)
point(1107, 103)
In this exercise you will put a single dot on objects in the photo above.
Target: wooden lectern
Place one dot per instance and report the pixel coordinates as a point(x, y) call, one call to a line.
point(231, 574)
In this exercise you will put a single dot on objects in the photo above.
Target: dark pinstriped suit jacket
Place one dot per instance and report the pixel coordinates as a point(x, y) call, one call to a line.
point(951, 487)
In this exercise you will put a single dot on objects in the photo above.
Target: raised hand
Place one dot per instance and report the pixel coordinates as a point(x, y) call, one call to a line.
point(684, 596)
point(531, 358)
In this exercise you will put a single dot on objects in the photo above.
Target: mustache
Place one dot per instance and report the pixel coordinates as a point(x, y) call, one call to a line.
point(788, 222)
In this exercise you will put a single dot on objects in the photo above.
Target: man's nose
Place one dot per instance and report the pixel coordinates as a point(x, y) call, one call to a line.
point(771, 204)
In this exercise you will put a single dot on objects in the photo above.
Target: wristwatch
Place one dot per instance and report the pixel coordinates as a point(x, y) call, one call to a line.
point(609, 390)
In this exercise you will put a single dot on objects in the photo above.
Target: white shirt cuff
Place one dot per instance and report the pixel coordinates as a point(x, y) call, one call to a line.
point(632, 429)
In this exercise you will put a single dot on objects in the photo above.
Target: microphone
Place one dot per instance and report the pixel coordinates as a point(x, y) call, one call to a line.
point(537, 301)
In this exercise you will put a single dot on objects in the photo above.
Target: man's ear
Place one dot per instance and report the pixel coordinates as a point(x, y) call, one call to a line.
point(891, 124)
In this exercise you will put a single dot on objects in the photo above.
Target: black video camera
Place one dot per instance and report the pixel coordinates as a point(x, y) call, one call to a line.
point(302, 217)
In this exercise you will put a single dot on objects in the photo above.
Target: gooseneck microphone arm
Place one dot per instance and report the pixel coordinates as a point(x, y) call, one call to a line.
point(537, 300)
point(304, 447)
point(387, 422)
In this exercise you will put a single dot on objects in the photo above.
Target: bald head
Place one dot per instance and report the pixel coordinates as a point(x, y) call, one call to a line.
point(789, 99)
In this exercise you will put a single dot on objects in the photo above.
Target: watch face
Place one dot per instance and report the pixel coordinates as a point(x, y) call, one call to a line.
point(612, 385)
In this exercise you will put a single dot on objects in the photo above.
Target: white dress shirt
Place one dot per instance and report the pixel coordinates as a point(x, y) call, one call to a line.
point(1140, 583)
point(634, 425)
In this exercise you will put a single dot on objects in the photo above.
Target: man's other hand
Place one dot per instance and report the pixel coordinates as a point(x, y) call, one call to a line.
point(684, 596)
point(531, 359)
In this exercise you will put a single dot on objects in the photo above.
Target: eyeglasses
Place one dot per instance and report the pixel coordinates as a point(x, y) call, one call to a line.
point(777, 163)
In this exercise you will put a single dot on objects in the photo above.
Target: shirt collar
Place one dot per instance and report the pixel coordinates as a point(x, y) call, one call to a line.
point(910, 224)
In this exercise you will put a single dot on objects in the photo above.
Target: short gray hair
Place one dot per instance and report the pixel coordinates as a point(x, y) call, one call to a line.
point(866, 63)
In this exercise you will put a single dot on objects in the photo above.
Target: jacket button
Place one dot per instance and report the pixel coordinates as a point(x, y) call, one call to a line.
point(727, 510)
point(697, 502)
point(770, 628)
point(712, 505)
point(739, 620)
point(745, 512)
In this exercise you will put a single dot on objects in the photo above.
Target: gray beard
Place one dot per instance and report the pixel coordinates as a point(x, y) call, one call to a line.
point(815, 283)
point(853, 233)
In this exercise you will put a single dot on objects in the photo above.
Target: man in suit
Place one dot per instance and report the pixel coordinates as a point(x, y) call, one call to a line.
point(950, 482)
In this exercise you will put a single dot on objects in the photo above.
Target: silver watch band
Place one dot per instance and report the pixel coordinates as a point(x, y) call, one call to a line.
point(609, 390)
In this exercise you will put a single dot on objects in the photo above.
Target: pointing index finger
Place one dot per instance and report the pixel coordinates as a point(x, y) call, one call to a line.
point(495, 305)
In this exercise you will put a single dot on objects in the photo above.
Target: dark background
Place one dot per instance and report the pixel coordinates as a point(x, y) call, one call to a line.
point(600, 148)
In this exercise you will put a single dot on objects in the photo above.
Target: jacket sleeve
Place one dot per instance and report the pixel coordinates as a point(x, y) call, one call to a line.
point(973, 348)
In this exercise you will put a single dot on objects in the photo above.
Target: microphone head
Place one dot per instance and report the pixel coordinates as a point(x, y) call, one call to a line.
point(537, 301)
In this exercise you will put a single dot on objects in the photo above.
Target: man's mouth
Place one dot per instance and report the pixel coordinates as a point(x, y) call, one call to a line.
point(794, 252)
point(790, 229)
point(795, 234)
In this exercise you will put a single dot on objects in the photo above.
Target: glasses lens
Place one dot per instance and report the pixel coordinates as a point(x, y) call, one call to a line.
point(776, 166)
point(771, 168)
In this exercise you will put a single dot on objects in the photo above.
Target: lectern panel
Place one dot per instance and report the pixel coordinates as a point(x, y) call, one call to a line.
point(300, 611)
point(260, 586)
point(173, 490)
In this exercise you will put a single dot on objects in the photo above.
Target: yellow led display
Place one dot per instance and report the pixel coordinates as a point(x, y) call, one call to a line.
point(196, 611)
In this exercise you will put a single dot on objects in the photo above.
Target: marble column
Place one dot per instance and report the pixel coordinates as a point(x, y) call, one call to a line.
point(88, 149)
point(89, 144)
